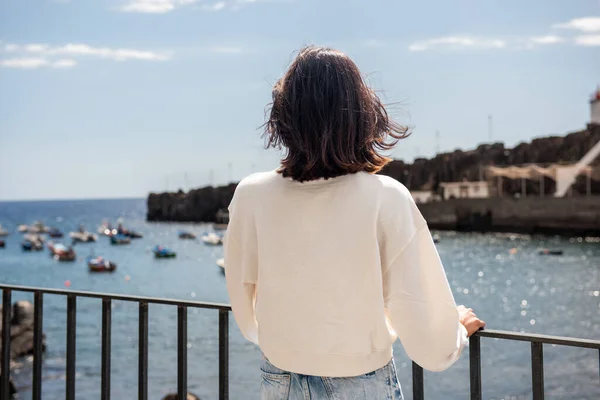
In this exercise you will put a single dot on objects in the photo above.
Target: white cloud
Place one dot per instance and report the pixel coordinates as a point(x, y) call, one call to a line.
point(226, 50)
point(457, 42)
point(585, 24)
point(588, 40)
point(79, 49)
point(154, 6)
point(42, 55)
point(218, 6)
point(64, 63)
point(26, 63)
point(35, 48)
point(549, 39)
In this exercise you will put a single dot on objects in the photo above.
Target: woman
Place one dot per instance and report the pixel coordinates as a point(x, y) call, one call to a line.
point(326, 262)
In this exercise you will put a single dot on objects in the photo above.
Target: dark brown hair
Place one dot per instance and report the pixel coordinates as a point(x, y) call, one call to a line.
point(330, 122)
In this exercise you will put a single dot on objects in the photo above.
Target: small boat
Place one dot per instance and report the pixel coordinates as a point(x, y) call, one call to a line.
point(133, 234)
point(28, 245)
point(83, 236)
point(60, 252)
point(100, 264)
point(549, 252)
point(186, 235)
point(38, 227)
point(55, 233)
point(3, 232)
point(106, 229)
point(213, 239)
point(120, 239)
point(221, 264)
point(23, 228)
point(163, 252)
point(2, 244)
point(436, 238)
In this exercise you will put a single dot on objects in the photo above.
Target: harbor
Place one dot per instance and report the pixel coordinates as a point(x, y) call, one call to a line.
point(513, 287)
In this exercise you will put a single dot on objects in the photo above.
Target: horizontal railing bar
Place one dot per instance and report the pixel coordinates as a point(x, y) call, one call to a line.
point(121, 297)
point(490, 333)
point(537, 338)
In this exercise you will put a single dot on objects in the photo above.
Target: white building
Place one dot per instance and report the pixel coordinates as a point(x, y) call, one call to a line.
point(595, 107)
point(465, 190)
point(422, 196)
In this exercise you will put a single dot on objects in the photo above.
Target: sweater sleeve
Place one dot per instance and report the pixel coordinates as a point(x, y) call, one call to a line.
point(420, 305)
point(241, 267)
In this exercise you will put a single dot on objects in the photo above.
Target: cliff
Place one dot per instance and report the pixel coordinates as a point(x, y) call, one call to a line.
point(201, 205)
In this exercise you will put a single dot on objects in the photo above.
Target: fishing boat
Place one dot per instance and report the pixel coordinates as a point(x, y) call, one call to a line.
point(38, 227)
point(3, 232)
point(221, 264)
point(550, 252)
point(83, 236)
point(163, 252)
point(212, 239)
point(106, 229)
point(28, 245)
point(126, 232)
point(186, 235)
point(55, 233)
point(100, 264)
point(60, 252)
point(119, 239)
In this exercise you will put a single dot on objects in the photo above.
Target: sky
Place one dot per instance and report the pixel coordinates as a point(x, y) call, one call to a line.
point(117, 98)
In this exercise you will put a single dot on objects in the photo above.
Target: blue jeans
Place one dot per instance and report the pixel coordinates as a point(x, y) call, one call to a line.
point(278, 384)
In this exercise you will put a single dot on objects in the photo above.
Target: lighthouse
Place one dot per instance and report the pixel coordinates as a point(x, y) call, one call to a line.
point(595, 108)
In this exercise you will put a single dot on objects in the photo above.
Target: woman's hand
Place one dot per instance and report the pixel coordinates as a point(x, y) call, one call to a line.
point(469, 320)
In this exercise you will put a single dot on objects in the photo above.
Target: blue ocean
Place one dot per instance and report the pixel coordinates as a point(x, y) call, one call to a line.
point(502, 277)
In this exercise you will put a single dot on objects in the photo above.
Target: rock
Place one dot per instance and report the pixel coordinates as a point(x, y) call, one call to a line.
point(202, 205)
point(190, 396)
point(21, 332)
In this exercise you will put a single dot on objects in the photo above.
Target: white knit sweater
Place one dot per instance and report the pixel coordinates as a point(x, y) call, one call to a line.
point(325, 275)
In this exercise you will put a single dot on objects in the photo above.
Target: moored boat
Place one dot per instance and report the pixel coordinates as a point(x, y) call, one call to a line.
point(163, 252)
point(221, 264)
point(213, 239)
point(119, 239)
point(28, 245)
point(100, 264)
point(55, 233)
point(2, 244)
point(60, 252)
point(186, 235)
point(83, 236)
point(550, 252)
point(3, 232)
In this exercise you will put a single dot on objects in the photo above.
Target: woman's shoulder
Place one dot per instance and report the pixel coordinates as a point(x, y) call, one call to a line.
point(389, 187)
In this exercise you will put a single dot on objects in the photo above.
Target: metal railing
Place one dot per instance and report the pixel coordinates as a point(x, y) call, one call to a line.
point(537, 342)
point(38, 307)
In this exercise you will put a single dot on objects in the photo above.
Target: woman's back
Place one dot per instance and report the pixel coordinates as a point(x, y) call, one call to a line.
point(327, 263)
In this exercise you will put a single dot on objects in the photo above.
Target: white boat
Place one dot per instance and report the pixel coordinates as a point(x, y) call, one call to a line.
point(212, 239)
point(83, 236)
point(221, 262)
point(3, 232)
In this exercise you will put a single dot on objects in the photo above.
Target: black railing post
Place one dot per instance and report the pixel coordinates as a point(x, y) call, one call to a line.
point(38, 335)
point(106, 339)
point(223, 355)
point(143, 352)
point(475, 367)
point(537, 370)
point(71, 348)
point(417, 381)
point(5, 356)
point(181, 353)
